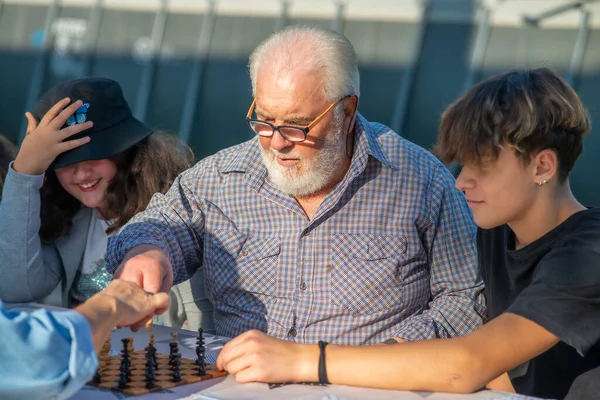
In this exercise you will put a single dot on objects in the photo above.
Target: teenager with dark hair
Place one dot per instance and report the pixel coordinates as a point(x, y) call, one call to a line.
point(85, 167)
point(517, 137)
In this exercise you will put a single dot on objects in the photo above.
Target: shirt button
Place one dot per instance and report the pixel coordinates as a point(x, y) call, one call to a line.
point(303, 286)
point(292, 332)
point(244, 253)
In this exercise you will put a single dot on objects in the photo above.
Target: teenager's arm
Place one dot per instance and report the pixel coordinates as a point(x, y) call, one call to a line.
point(460, 365)
point(30, 270)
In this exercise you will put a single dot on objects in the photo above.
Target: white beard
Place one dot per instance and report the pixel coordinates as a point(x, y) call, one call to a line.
point(319, 171)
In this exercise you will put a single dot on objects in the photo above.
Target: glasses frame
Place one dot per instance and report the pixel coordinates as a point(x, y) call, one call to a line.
point(303, 129)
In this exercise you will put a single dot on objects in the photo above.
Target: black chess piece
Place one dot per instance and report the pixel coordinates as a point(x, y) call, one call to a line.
point(150, 377)
point(200, 361)
point(173, 356)
point(125, 368)
point(150, 382)
point(173, 347)
point(122, 381)
point(200, 353)
point(176, 363)
point(200, 339)
point(97, 377)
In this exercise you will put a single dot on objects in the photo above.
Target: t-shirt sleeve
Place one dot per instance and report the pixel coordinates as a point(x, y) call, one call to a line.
point(564, 296)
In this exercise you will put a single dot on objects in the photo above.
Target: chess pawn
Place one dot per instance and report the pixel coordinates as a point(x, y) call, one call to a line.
point(122, 381)
point(175, 337)
point(152, 343)
point(174, 347)
point(105, 349)
point(173, 357)
point(176, 375)
point(97, 377)
point(130, 348)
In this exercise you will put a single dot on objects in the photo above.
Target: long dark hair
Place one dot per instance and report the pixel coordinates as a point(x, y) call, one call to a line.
point(148, 167)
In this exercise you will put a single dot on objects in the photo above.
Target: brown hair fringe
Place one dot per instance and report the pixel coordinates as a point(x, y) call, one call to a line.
point(526, 110)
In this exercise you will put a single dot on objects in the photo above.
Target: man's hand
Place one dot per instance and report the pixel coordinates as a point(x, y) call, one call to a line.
point(149, 267)
point(256, 357)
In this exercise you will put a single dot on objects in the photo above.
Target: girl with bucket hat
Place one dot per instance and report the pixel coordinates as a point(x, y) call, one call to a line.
point(85, 167)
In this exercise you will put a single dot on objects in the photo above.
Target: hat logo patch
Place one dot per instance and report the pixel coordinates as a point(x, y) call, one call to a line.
point(80, 115)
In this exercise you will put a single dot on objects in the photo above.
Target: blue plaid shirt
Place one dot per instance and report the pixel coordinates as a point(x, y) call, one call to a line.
point(389, 252)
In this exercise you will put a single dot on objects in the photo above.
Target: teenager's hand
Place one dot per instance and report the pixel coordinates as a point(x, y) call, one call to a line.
point(45, 141)
point(256, 357)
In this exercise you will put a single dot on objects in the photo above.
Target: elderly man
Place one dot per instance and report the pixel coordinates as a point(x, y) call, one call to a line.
point(324, 226)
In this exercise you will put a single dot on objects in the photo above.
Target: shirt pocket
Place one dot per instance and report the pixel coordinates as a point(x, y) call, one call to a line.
point(367, 272)
point(242, 269)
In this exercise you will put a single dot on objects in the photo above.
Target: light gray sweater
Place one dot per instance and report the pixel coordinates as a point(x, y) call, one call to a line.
point(29, 269)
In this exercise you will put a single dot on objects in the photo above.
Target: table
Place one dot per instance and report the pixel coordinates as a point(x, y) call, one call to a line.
point(226, 388)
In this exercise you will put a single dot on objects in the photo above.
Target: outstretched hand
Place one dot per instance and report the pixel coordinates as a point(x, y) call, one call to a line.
point(45, 141)
point(134, 306)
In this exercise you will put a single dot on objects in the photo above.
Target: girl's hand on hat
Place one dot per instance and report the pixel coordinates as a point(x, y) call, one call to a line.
point(45, 141)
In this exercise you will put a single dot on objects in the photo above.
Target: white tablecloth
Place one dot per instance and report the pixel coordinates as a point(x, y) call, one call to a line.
point(228, 388)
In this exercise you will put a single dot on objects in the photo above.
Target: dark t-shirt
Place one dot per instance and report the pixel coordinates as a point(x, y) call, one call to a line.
point(554, 282)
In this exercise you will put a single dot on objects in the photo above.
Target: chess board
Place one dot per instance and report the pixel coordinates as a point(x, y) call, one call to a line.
point(109, 372)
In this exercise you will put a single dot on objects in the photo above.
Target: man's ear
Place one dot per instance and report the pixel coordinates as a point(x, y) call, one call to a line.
point(350, 107)
point(546, 166)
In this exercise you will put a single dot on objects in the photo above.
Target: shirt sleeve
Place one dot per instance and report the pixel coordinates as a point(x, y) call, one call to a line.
point(173, 222)
point(30, 270)
point(44, 354)
point(457, 305)
point(564, 296)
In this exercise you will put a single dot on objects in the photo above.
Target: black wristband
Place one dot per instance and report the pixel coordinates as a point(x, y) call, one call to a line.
point(322, 370)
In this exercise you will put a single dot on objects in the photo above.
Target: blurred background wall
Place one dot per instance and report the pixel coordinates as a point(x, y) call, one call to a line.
point(183, 63)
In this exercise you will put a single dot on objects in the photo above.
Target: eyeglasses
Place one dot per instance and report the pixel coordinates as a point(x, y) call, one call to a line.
point(290, 133)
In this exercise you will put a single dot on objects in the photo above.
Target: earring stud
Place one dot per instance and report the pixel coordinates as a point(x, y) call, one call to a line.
point(542, 182)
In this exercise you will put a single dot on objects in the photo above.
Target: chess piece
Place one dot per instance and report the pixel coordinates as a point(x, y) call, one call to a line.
point(200, 361)
point(200, 353)
point(174, 350)
point(122, 381)
point(150, 377)
point(176, 362)
point(173, 356)
point(152, 343)
point(97, 377)
point(175, 337)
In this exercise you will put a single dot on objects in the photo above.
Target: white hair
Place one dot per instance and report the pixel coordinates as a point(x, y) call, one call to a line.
point(312, 49)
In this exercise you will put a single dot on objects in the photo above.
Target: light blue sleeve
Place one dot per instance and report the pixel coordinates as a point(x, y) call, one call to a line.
point(44, 354)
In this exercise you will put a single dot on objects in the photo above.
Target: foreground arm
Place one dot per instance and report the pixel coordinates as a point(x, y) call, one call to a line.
point(52, 354)
point(460, 365)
